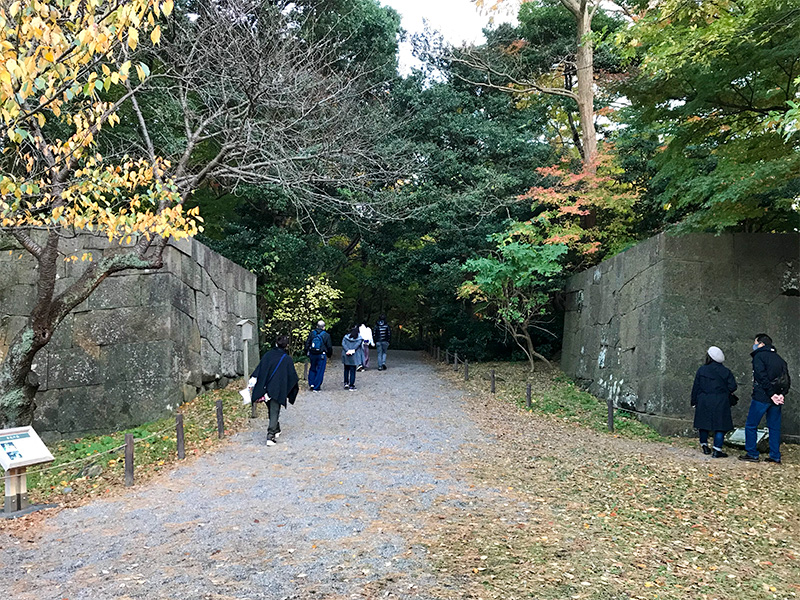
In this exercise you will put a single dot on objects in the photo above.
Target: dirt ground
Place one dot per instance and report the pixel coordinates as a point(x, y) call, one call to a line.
point(420, 486)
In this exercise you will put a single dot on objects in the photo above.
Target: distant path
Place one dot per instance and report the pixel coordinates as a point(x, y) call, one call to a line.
point(335, 510)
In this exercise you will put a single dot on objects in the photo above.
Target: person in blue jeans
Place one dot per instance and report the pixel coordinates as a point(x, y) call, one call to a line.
point(351, 344)
point(767, 367)
point(318, 348)
point(711, 397)
point(382, 335)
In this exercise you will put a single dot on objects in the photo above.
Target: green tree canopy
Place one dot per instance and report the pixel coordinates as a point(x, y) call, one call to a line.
point(714, 81)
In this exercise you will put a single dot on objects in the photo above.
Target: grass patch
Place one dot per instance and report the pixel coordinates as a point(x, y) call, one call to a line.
point(555, 394)
point(155, 450)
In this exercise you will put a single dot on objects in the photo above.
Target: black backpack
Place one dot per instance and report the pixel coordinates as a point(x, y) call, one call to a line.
point(782, 383)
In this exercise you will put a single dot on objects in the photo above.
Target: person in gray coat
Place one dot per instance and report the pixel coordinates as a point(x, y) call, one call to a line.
point(351, 344)
point(711, 396)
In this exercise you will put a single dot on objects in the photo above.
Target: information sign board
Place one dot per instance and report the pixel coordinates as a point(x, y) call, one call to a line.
point(22, 447)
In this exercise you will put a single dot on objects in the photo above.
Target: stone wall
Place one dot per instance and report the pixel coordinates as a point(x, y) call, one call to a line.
point(637, 325)
point(141, 345)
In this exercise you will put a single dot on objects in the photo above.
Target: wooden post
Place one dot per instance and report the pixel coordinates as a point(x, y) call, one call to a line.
point(179, 436)
point(466, 370)
point(128, 459)
point(493, 381)
point(528, 396)
point(220, 420)
point(253, 410)
point(455, 361)
point(11, 503)
point(305, 371)
point(437, 353)
point(610, 403)
point(447, 356)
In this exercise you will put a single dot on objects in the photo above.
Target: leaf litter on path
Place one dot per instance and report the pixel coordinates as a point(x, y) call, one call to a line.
point(569, 512)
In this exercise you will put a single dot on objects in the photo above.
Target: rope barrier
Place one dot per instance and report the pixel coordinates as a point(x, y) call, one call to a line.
point(99, 454)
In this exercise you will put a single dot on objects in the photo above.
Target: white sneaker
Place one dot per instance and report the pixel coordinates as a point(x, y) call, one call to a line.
point(277, 435)
point(270, 442)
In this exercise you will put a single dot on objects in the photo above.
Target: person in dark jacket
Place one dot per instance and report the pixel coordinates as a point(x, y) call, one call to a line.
point(276, 382)
point(767, 367)
point(713, 386)
point(382, 335)
point(351, 344)
point(318, 348)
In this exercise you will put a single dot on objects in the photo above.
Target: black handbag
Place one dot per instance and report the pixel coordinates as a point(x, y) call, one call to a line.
point(734, 399)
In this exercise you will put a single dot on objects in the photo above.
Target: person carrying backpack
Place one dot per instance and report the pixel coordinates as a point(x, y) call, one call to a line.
point(771, 383)
point(318, 348)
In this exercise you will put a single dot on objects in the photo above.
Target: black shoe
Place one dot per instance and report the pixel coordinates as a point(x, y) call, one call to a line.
point(705, 448)
point(271, 440)
point(748, 458)
point(718, 454)
point(352, 387)
point(311, 388)
point(769, 459)
point(347, 387)
point(359, 368)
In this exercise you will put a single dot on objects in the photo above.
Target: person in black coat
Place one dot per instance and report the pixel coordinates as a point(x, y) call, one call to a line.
point(711, 397)
point(276, 382)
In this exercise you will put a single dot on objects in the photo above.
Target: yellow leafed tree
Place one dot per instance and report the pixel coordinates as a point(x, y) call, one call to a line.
point(58, 60)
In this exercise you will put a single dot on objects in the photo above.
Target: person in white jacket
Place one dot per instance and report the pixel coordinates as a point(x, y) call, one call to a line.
point(367, 341)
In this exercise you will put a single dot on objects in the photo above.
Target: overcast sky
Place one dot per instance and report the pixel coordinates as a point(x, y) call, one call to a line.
point(458, 20)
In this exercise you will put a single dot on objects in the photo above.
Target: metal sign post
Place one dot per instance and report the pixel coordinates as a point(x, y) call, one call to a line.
point(20, 448)
point(248, 327)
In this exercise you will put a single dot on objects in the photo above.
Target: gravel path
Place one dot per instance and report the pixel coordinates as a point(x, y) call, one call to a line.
point(336, 510)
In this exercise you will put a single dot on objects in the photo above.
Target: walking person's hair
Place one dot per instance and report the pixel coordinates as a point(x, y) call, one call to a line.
point(354, 332)
point(763, 338)
point(282, 341)
point(708, 360)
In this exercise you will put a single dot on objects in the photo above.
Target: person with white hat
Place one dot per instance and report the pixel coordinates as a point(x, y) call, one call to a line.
point(712, 396)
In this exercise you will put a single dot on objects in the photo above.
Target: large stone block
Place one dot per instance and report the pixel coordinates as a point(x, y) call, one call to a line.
point(191, 273)
point(20, 300)
point(62, 336)
point(74, 367)
point(701, 247)
point(211, 362)
point(140, 361)
point(82, 410)
point(185, 332)
point(122, 325)
point(10, 325)
point(45, 417)
point(766, 247)
point(683, 278)
point(130, 403)
point(118, 291)
point(230, 364)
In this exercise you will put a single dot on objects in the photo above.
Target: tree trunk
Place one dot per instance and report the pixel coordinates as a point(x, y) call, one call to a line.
point(17, 389)
point(585, 89)
point(523, 334)
point(17, 383)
